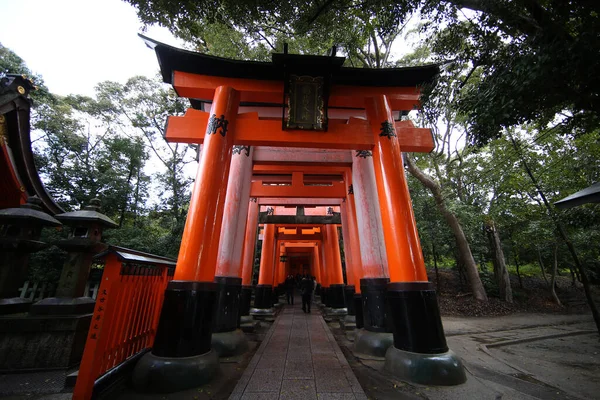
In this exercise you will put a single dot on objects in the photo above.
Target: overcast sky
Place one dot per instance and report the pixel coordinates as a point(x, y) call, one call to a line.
point(74, 44)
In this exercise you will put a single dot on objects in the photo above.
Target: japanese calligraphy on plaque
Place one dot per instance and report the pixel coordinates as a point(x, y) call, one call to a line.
point(306, 107)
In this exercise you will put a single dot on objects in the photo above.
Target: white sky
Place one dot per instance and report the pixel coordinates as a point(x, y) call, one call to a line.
point(74, 44)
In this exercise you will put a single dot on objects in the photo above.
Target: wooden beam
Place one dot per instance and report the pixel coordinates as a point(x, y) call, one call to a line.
point(252, 131)
point(263, 218)
point(198, 86)
point(269, 201)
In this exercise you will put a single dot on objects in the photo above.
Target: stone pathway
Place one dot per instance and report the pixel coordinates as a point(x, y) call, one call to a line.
point(298, 359)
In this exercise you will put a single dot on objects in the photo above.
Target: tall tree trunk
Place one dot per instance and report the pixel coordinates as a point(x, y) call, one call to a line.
point(500, 270)
point(553, 278)
point(459, 236)
point(516, 257)
point(435, 265)
point(541, 262)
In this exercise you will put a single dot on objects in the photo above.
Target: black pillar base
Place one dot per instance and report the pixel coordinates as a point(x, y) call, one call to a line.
point(181, 357)
point(324, 297)
point(186, 319)
point(376, 316)
point(336, 296)
point(245, 300)
point(263, 295)
point(417, 324)
point(227, 311)
point(349, 298)
point(420, 353)
point(372, 345)
point(358, 310)
point(155, 374)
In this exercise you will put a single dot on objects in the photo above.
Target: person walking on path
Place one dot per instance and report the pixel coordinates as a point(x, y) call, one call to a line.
point(289, 289)
point(306, 287)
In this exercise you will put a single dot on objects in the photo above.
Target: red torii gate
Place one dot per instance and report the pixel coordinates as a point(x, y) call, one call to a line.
point(329, 102)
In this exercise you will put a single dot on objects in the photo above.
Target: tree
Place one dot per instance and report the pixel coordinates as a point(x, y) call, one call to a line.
point(537, 59)
point(140, 108)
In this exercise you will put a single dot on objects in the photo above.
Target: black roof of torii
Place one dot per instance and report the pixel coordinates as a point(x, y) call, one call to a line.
point(174, 59)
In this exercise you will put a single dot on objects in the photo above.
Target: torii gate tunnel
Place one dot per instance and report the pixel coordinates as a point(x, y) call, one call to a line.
point(292, 150)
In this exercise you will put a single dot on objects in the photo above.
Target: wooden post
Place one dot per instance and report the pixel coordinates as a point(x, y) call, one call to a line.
point(199, 244)
point(403, 248)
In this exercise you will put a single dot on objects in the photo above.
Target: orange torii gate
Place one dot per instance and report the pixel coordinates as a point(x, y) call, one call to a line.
point(300, 102)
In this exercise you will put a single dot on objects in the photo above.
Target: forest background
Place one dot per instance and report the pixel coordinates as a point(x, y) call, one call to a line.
point(514, 113)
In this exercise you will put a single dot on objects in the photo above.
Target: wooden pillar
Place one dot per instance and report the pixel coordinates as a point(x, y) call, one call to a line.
point(249, 242)
point(263, 296)
point(248, 256)
point(335, 295)
point(368, 217)
point(336, 274)
point(231, 242)
point(229, 260)
point(197, 259)
point(350, 207)
point(265, 274)
point(348, 245)
point(403, 248)
point(317, 264)
point(183, 338)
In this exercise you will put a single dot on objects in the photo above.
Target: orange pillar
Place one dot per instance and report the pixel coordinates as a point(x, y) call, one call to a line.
point(317, 264)
point(347, 246)
point(197, 259)
point(231, 243)
point(281, 264)
point(249, 242)
point(265, 275)
point(353, 235)
point(336, 274)
point(368, 217)
point(248, 256)
point(403, 248)
point(263, 295)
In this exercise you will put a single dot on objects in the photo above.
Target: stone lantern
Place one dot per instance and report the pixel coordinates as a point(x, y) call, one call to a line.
point(84, 241)
point(19, 237)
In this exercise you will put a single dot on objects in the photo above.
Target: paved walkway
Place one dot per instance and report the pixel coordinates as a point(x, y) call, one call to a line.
point(298, 359)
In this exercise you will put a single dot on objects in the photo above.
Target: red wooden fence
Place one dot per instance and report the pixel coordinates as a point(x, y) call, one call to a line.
point(126, 314)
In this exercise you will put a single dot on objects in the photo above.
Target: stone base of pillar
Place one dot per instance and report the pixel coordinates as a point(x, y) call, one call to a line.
point(248, 324)
point(171, 374)
point(444, 369)
point(349, 299)
point(245, 300)
point(181, 357)
point(372, 345)
point(336, 296)
point(63, 306)
point(335, 313)
point(14, 305)
point(358, 310)
point(263, 297)
point(227, 313)
point(230, 344)
point(262, 313)
point(348, 323)
point(420, 352)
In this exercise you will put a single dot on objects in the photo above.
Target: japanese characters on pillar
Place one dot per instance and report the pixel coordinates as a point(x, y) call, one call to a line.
point(198, 251)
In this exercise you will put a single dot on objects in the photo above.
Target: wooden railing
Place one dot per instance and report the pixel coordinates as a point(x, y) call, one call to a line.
point(126, 315)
